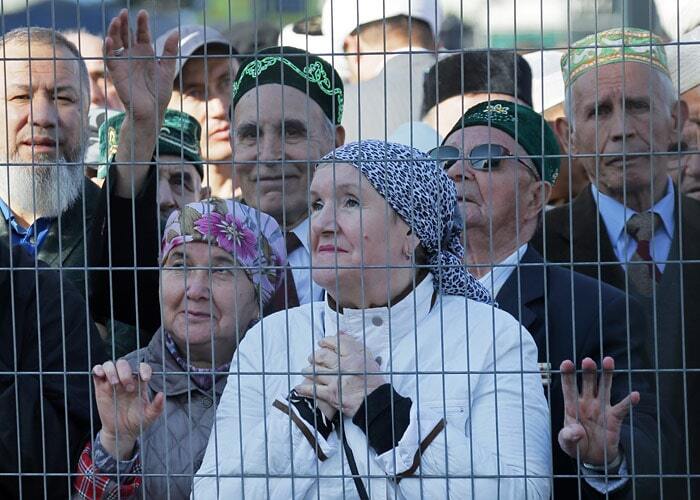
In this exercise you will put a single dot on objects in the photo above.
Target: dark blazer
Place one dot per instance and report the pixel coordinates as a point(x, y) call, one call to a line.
point(65, 247)
point(47, 329)
point(674, 335)
point(572, 316)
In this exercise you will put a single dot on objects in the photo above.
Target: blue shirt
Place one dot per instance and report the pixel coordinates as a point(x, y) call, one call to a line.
point(30, 238)
point(615, 215)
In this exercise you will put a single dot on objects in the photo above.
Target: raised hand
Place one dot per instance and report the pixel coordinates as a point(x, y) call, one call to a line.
point(340, 371)
point(123, 405)
point(144, 83)
point(591, 423)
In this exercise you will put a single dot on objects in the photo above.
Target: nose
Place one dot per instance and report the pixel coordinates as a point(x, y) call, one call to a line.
point(620, 128)
point(323, 222)
point(460, 170)
point(270, 148)
point(44, 111)
point(217, 107)
point(97, 95)
point(166, 199)
point(197, 286)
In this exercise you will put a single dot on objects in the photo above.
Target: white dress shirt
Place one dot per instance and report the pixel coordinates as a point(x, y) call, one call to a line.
point(615, 215)
point(300, 262)
point(499, 274)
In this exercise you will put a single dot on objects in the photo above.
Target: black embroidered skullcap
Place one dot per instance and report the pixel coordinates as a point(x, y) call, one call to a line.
point(492, 70)
point(296, 68)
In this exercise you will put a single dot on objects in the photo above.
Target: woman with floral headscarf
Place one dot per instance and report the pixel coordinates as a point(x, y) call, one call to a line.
point(222, 262)
point(407, 382)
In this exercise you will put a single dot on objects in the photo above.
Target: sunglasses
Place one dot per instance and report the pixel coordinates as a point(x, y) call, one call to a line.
point(483, 157)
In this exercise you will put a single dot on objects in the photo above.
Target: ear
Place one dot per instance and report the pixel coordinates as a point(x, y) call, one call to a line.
point(339, 136)
point(561, 129)
point(204, 193)
point(536, 199)
point(410, 243)
point(680, 114)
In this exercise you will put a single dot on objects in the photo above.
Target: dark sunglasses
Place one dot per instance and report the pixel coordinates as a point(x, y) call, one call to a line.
point(483, 157)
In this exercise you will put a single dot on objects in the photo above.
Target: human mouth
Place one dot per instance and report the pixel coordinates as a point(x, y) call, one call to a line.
point(40, 144)
point(221, 133)
point(198, 315)
point(330, 248)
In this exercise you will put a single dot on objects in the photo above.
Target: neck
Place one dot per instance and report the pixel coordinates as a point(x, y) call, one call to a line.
point(25, 218)
point(480, 256)
point(218, 179)
point(643, 199)
point(200, 356)
point(292, 221)
point(340, 303)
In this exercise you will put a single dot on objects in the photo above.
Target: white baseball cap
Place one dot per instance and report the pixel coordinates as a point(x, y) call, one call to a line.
point(342, 17)
point(192, 38)
point(547, 80)
point(689, 76)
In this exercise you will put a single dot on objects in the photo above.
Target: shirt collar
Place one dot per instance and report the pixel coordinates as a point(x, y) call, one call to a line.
point(615, 214)
point(500, 273)
point(302, 232)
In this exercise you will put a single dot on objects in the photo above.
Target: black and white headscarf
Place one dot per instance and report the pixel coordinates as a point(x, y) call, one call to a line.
point(423, 196)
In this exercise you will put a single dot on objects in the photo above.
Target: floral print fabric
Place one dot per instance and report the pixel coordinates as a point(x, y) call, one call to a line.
point(253, 238)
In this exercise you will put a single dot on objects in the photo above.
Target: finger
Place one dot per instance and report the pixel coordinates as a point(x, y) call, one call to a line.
point(98, 371)
point(110, 372)
point(316, 391)
point(126, 376)
point(589, 384)
point(143, 33)
point(331, 342)
point(170, 52)
point(325, 357)
point(145, 372)
point(606, 379)
point(322, 378)
point(154, 409)
point(124, 30)
point(621, 409)
point(569, 386)
point(569, 437)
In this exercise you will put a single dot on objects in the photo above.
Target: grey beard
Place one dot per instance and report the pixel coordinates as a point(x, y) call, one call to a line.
point(45, 189)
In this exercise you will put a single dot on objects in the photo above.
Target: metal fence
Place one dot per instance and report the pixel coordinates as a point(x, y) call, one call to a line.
point(357, 249)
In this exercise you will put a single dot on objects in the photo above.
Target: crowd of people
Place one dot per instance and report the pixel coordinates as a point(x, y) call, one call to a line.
point(385, 273)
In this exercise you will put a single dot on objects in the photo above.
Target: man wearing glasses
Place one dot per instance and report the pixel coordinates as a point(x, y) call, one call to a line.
point(503, 158)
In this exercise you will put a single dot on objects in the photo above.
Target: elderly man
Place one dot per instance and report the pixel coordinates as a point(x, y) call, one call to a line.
point(46, 414)
point(631, 228)
point(387, 47)
point(684, 66)
point(287, 108)
point(45, 200)
point(504, 176)
point(202, 88)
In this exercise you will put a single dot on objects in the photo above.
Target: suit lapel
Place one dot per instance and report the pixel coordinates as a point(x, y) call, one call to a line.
point(531, 289)
point(589, 233)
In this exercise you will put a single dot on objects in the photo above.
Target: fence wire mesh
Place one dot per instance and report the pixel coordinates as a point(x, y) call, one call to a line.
point(350, 249)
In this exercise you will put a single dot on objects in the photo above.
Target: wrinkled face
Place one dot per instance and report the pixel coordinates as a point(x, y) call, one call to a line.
point(179, 183)
point(631, 116)
point(351, 226)
point(488, 200)
point(44, 117)
point(204, 297)
point(206, 95)
point(279, 134)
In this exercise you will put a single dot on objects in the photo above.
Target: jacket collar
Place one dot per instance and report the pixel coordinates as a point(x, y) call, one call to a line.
point(373, 326)
point(171, 382)
point(531, 288)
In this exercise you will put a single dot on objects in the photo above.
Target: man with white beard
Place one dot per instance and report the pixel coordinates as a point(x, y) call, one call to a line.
point(45, 203)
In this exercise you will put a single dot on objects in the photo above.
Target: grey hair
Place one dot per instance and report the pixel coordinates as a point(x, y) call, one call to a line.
point(51, 38)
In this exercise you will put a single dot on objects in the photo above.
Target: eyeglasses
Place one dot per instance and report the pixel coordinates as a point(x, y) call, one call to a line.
point(483, 157)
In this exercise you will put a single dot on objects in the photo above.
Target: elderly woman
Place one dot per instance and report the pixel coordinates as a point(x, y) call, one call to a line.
point(407, 382)
point(221, 262)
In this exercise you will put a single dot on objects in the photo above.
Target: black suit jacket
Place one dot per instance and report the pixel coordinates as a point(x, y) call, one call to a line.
point(572, 316)
point(673, 315)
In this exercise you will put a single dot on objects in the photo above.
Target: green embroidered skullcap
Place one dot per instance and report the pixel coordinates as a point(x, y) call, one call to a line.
point(613, 46)
point(524, 125)
point(179, 135)
point(297, 68)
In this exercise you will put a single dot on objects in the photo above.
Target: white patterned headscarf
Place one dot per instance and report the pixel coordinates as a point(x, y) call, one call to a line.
point(426, 199)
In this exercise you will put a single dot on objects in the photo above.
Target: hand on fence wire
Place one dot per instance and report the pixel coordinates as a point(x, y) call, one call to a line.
point(342, 370)
point(144, 83)
point(591, 424)
point(124, 406)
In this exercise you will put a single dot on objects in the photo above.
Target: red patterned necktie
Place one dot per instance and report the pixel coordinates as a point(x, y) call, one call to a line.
point(642, 270)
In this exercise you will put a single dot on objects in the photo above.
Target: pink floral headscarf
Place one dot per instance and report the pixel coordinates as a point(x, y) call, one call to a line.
point(252, 237)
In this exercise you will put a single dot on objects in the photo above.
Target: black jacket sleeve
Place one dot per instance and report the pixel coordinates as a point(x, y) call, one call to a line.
point(46, 405)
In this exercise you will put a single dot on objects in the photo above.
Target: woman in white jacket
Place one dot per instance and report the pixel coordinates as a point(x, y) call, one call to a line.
point(407, 382)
